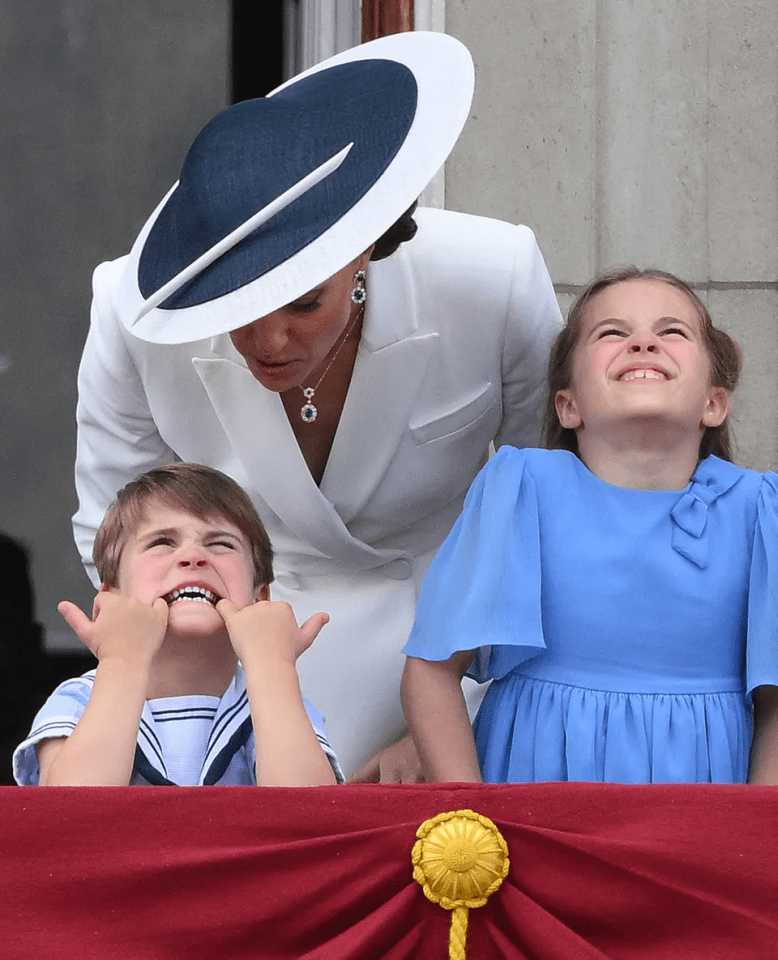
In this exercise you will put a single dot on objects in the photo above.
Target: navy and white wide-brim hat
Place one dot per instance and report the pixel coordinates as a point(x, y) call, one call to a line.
point(279, 193)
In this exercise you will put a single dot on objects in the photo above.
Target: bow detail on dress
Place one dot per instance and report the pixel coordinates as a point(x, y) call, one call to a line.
point(712, 478)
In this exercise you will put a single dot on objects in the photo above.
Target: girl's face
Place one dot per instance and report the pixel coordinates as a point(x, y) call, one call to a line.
point(641, 354)
point(284, 349)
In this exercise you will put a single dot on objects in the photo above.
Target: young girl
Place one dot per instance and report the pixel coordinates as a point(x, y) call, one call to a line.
point(621, 588)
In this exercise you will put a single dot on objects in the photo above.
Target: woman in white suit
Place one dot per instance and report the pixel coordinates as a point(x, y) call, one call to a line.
point(268, 323)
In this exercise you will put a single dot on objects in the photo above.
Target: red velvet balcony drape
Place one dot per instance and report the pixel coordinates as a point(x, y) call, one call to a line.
point(235, 873)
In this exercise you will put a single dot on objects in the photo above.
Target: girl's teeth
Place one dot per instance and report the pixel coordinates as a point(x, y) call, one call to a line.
point(643, 375)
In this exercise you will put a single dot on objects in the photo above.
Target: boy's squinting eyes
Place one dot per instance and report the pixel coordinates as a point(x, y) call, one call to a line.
point(211, 539)
point(171, 549)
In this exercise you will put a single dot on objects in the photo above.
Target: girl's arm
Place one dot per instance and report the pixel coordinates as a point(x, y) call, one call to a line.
point(763, 765)
point(268, 641)
point(100, 752)
point(437, 717)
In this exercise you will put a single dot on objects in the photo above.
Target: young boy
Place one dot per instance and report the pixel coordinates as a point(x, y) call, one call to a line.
point(196, 681)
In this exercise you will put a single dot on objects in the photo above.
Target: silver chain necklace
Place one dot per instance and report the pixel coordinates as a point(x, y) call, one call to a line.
point(308, 411)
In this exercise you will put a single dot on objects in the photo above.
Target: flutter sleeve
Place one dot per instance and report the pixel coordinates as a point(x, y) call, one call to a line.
point(482, 591)
point(762, 644)
point(56, 718)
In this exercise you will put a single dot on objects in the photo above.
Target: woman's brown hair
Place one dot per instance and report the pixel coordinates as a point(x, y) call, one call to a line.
point(400, 231)
point(724, 353)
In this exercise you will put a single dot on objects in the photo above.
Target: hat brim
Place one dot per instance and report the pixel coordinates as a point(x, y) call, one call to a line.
point(443, 71)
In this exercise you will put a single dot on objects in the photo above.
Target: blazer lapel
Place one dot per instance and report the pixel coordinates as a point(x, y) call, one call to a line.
point(256, 423)
point(392, 360)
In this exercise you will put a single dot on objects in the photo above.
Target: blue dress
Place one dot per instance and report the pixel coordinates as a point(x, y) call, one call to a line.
point(613, 621)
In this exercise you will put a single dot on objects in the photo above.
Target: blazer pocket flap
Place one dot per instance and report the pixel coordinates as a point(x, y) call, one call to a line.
point(465, 415)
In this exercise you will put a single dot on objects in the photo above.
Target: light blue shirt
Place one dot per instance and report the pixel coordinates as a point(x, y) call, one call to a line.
point(195, 741)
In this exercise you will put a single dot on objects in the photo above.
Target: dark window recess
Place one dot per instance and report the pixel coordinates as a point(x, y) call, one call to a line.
point(256, 46)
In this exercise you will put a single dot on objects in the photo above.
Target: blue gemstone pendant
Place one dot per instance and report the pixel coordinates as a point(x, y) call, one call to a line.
point(308, 411)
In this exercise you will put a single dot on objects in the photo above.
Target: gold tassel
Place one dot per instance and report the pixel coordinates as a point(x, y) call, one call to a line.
point(459, 859)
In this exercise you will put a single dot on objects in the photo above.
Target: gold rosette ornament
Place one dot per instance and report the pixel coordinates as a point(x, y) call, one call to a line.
point(459, 860)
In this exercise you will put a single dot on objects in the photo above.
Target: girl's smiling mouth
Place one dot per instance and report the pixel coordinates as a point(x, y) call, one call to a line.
point(643, 373)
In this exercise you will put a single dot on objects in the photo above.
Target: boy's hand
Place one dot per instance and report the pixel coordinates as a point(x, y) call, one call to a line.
point(121, 627)
point(268, 628)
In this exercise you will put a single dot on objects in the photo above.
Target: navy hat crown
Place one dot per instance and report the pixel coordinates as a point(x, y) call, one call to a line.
point(278, 194)
point(254, 151)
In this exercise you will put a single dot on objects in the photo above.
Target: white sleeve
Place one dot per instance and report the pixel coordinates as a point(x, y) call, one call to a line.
point(532, 323)
point(56, 718)
point(117, 437)
point(319, 728)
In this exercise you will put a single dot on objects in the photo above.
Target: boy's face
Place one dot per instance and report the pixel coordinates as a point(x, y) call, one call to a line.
point(190, 563)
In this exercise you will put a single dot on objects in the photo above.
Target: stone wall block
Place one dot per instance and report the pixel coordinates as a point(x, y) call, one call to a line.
point(742, 140)
point(751, 317)
point(651, 135)
point(99, 105)
point(527, 153)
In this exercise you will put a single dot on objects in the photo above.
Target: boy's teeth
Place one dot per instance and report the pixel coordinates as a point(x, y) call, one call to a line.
point(198, 594)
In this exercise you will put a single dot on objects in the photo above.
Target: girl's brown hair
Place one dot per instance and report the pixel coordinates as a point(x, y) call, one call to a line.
point(202, 491)
point(724, 353)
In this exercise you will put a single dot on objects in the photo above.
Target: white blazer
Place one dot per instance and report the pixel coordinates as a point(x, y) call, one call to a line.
point(453, 356)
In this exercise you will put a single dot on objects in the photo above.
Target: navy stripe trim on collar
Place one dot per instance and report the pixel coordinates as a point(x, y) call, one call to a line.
point(221, 761)
point(148, 772)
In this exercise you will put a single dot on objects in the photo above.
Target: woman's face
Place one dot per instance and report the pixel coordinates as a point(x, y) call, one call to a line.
point(285, 349)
